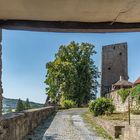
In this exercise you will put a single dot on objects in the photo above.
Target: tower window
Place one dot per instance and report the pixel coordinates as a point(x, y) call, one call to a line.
point(109, 68)
point(120, 53)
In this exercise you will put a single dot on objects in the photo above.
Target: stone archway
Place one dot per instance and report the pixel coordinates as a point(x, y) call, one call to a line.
point(1, 90)
point(68, 16)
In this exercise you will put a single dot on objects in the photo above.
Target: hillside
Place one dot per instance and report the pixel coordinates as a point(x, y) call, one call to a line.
point(9, 104)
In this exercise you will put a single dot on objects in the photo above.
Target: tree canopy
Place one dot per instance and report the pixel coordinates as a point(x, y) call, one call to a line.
point(73, 73)
point(20, 106)
point(23, 105)
point(27, 104)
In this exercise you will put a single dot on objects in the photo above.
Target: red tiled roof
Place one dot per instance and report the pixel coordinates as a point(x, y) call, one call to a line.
point(137, 81)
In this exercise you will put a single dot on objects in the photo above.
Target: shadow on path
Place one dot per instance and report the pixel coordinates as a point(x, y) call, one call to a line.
point(38, 132)
point(51, 137)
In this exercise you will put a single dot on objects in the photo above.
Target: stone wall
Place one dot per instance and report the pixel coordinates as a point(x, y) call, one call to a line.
point(130, 133)
point(117, 101)
point(121, 129)
point(114, 65)
point(1, 91)
point(113, 128)
point(17, 125)
point(119, 105)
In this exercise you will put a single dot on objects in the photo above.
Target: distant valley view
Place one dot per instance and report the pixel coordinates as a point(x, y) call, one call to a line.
point(9, 105)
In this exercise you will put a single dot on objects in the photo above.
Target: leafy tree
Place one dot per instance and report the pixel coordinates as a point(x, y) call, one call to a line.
point(20, 106)
point(73, 74)
point(27, 104)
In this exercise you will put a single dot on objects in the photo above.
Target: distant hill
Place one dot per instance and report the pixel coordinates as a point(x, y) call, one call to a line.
point(11, 104)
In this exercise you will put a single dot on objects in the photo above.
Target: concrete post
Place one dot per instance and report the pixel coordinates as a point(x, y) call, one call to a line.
point(1, 90)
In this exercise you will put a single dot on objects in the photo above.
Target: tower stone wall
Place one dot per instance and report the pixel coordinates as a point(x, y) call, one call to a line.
point(114, 65)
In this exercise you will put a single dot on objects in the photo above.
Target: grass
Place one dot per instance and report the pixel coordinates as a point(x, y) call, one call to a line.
point(88, 117)
point(116, 116)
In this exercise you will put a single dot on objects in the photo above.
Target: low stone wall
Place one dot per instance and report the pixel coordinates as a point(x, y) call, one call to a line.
point(17, 125)
point(121, 129)
point(130, 133)
point(113, 128)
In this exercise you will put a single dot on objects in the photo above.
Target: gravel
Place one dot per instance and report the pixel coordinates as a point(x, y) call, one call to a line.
point(65, 125)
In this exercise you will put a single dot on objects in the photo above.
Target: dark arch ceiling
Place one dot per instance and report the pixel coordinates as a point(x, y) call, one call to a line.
point(71, 15)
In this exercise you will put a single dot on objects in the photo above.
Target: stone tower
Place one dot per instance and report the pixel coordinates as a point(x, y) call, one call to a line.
point(114, 65)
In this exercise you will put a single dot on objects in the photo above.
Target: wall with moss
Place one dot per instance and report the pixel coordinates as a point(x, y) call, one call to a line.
point(120, 105)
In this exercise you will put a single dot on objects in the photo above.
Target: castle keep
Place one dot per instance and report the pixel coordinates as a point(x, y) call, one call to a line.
point(114, 65)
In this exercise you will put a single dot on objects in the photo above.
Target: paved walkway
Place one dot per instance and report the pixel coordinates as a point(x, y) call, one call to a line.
point(65, 125)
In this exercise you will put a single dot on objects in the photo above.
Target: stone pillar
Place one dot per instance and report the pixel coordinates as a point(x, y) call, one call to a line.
point(1, 90)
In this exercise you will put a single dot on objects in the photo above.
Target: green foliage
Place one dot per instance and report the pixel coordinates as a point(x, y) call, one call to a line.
point(136, 93)
point(67, 103)
point(27, 104)
point(100, 106)
point(20, 106)
point(91, 106)
point(72, 74)
point(124, 93)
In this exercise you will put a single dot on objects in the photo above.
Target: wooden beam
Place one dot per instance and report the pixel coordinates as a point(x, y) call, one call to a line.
point(67, 26)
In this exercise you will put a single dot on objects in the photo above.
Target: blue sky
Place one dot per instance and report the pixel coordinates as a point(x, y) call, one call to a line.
point(26, 53)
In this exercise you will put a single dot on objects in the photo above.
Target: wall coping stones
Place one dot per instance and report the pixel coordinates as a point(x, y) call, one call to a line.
point(38, 109)
point(14, 126)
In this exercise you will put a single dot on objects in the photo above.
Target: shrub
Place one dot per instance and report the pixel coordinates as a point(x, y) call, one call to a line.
point(101, 106)
point(91, 106)
point(67, 103)
point(136, 93)
point(124, 93)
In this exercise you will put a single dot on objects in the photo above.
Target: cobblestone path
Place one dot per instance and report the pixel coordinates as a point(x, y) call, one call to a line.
point(66, 125)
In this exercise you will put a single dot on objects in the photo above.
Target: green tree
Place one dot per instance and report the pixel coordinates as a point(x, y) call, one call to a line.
point(27, 104)
point(73, 74)
point(20, 106)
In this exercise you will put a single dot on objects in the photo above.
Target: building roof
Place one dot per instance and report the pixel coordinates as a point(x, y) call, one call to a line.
point(137, 81)
point(123, 83)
